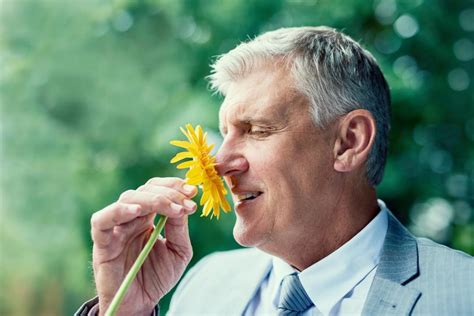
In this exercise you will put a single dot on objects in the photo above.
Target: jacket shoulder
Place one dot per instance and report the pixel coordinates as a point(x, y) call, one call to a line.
point(445, 280)
point(432, 253)
point(444, 265)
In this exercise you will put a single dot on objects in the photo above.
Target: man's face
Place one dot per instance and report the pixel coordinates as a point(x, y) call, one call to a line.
point(278, 165)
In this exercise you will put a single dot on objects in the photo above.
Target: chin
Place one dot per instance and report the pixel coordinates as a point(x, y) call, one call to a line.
point(241, 237)
point(245, 236)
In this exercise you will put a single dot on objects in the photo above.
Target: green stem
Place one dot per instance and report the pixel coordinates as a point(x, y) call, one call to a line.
point(112, 310)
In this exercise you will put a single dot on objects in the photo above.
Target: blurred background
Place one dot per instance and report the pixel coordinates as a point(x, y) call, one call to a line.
point(92, 92)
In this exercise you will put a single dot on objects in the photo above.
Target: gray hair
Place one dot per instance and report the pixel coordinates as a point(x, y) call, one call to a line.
point(332, 70)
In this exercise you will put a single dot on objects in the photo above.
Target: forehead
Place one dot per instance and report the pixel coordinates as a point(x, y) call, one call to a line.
point(267, 92)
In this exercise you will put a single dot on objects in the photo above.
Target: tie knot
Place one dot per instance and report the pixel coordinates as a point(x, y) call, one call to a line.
point(293, 298)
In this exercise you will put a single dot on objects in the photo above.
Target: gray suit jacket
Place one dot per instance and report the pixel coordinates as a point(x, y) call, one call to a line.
point(415, 276)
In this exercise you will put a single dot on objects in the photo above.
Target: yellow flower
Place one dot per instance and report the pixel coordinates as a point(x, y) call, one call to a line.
point(201, 170)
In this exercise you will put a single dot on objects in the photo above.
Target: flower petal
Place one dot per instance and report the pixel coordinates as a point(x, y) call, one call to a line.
point(186, 164)
point(201, 139)
point(202, 170)
point(184, 132)
point(194, 181)
point(209, 148)
point(207, 208)
point(204, 198)
point(225, 205)
point(192, 134)
point(181, 143)
point(181, 156)
point(194, 173)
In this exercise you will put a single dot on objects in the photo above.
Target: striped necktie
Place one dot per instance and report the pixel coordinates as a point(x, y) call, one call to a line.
point(293, 297)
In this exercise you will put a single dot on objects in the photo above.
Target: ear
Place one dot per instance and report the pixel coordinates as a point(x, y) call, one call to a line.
point(354, 138)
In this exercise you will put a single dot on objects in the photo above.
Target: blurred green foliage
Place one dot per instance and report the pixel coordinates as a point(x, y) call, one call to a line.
point(92, 92)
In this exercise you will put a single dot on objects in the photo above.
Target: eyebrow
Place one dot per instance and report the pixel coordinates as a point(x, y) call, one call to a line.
point(270, 118)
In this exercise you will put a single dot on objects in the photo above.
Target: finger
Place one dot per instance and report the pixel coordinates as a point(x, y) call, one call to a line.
point(176, 196)
point(112, 215)
point(134, 228)
point(165, 203)
point(177, 236)
point(175, 183)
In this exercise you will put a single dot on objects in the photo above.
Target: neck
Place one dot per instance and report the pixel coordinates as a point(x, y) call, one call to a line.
point(321, 237)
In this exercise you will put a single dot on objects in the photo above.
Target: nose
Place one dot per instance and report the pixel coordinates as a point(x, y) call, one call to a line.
point(229, 162)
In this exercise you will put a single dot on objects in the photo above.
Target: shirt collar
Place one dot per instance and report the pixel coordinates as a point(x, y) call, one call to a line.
point(330, 279)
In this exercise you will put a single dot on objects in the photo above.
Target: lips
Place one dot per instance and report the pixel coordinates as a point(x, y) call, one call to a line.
point(248, 196)
point(245, 197)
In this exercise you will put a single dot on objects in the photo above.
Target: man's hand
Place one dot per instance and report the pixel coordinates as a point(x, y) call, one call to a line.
point(120, 231)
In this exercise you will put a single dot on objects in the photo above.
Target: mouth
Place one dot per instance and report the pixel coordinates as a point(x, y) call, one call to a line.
point(247, 197)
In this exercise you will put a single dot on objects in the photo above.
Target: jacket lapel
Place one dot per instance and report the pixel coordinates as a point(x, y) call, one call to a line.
point(398, 266)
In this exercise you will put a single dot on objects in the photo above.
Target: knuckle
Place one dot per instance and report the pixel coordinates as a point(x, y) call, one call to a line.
point(153, 180)
point(166, 181)
point(142, 187)
point(177, 183)
point(118, 207)
point(157, 201)
point(171, 206)
point(94, 221)
point(117, 211)
point(126, 195)
point(138, 208)
point(174, 195)
point(190, 256)
point(115, 219)
point(186, 255)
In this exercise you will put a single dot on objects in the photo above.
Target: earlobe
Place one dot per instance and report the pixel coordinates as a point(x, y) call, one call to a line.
point(354, 140)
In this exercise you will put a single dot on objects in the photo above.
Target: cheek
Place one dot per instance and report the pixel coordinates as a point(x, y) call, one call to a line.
point(306, 167)
point(266, 160)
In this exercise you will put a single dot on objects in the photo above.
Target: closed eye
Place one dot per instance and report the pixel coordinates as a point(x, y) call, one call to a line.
point(259, 132)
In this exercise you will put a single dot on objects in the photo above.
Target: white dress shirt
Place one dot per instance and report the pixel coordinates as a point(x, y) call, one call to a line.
point(339, 283)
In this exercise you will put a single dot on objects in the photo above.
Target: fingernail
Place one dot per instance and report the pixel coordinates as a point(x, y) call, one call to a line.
point(189, 204)
point(176, 207)
point(188, 188)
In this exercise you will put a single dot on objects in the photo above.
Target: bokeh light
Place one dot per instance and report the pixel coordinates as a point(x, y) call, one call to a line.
point(458, 79)
point(406, 26)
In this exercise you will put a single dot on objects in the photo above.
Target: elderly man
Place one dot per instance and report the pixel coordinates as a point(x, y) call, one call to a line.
point(305, 123)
